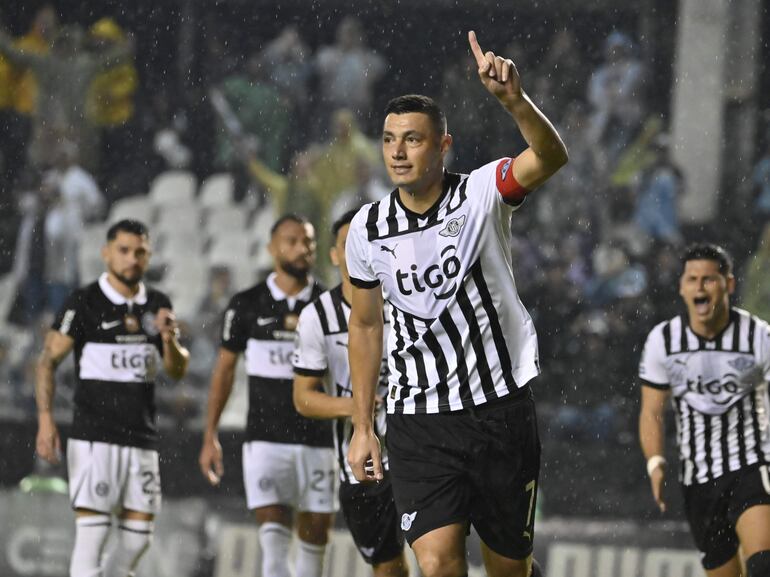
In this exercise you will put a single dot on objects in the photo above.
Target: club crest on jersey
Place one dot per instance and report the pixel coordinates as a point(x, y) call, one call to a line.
point(742, 363)
point(453, 227)
point(290, 321)
point(131, 323)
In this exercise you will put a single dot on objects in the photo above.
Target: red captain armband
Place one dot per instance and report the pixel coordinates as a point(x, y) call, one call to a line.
point(507, 185)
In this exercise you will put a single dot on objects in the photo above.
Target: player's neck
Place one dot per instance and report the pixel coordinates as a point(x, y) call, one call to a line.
point(419, 201)
point(347, 290)
point(289, 284)
point(710, 329)
point(124, 290)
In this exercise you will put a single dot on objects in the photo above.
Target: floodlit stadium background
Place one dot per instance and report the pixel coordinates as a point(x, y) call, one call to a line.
point(231, 112)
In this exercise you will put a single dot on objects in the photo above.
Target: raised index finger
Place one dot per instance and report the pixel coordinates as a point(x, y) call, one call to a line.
point(476, 49)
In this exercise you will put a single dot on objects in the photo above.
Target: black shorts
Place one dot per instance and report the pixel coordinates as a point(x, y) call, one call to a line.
point(477, 466)
point(713, 509)
point(370, 513)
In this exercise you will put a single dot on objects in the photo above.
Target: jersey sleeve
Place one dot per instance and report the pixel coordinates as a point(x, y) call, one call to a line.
point(358, 254)
point(652, 370)
point(763, 335)
point(235, 331)
point(69, 319)
point(310, 358)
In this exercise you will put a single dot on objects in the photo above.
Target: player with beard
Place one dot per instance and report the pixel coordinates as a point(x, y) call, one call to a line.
point(288, 461)
point(119, 330)
point(714, 364)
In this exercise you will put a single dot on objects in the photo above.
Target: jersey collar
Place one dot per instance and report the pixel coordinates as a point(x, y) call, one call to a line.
point(279, 295)
point(118, 299)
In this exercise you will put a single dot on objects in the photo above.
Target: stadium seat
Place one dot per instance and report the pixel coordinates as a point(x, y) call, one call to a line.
point(175, 187)
point(229, 218)
point(172, 219)
point(217, 190)
point(136, 207)
point(91, 240)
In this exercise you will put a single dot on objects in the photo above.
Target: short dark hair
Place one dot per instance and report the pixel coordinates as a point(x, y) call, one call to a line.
point(708, 251)
point(128, 225)
point(342, 221)
point(289, 217)
point(419, 103)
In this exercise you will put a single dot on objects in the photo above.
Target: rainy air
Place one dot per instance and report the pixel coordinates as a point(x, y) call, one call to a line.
point(384, 288)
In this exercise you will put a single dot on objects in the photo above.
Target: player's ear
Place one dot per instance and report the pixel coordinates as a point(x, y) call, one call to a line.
point(730, 284)
point(446, 143)
point(333, 256)
point(105, 252)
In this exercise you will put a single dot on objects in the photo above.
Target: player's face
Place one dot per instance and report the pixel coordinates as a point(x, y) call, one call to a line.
point(338, 251)
point(127, 257)
point(413, 150)
point(705, 291)
point(293, 248)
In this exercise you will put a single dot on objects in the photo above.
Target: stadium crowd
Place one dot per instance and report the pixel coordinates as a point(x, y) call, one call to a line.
point(291, 126)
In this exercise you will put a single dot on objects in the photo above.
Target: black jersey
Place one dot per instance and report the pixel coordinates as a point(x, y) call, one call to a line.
point(261, 323)
point(117, 353)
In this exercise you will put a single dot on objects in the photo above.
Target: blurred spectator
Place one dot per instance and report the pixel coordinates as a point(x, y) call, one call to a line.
point(615, 92)
point(756, 285)
point(348, 71)
point(80, 195)
point(760, 178)
point(63, 76)
point(368, 187)
point(616, 277)
point(286, 61)
point(19, 94)
point(110, 104)
point(560, 78)
point(62, 228)
point(168, 128)
point(657, 195)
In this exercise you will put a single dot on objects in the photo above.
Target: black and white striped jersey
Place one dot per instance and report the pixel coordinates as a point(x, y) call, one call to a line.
point(261, 322)
point(719, 392)
point(460, 335)
point(321, 349)
point(117, 353)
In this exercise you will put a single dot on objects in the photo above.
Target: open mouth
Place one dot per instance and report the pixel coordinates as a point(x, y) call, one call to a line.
point(702, 305)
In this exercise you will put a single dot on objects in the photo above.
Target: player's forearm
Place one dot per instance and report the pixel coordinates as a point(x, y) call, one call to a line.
point(45, 386)
point(651, 433)
point(219, 393)
point(176, 358)
point(538, 131)
point(365, 353)
point(318, 405)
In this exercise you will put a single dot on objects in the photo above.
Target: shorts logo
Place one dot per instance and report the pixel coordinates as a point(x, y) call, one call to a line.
point(102, 489)
point(453, 227)
point(367, 551)
point(406, 520)
point(266, 483)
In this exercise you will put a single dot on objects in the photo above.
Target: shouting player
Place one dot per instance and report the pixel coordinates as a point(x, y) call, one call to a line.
point(714, 362)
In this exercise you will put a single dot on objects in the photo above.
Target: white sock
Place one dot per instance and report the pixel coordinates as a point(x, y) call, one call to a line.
point(274, 540)
point(90, 535)
point(310, 559)
point(134, 538)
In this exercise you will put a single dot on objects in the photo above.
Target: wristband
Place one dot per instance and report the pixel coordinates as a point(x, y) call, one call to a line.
point(654, 462)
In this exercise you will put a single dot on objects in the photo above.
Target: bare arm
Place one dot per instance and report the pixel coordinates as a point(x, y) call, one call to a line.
point(310, 401)
point(546, 152)
point(652, 435)
point(365, 354)
point(210, 459)
point(57, 346)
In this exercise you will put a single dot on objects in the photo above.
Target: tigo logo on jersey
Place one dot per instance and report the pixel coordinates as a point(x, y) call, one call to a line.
point(406, 520)
point(432, 277)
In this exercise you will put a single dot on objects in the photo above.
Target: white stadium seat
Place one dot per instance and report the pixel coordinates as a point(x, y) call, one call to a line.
point(135, 207)
point(92, 238)
point(176, 187)
point(217, 190)
point(226, 218)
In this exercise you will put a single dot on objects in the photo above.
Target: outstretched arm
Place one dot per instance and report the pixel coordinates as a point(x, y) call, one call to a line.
point(56, 347)
point(546, 152)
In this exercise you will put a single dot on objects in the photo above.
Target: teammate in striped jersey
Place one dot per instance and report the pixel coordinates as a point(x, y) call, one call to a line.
point(462, 433)
point(714, 363)
point(288, 460)
point(119, 330)
point(322, 348)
